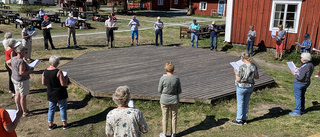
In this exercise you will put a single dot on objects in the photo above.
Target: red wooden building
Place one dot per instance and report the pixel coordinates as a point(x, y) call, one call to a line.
point(151, 4)
point(209, 7)
point(179, 3)
point(297, 16)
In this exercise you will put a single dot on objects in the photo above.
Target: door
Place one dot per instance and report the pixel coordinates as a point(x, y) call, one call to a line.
point(221, 7)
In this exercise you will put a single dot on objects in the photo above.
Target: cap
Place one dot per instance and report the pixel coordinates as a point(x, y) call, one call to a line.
point(46, 17)
point(306, 35)
point(213, 22)
point(70, 15)
point(158, 17)
point(133, 17)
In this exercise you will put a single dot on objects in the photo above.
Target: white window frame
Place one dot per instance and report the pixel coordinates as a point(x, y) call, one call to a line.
point(176, 2)
point(160, 2)
point(286, 2)
point(200, 5)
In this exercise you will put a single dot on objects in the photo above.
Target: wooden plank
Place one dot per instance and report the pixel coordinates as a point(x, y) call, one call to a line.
point(243, 28)
point(235, 21)
point(254, 18)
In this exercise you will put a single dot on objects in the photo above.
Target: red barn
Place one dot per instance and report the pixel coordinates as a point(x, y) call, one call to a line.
point(179, 3)
point(297, 16)
point(151, 4)
point(209, 7)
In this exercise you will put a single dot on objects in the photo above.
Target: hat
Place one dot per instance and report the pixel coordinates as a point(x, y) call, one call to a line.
point(70, 15)
point(133, 17)
point(158, 17)
point(306, 56)
point(306, 35)
point(213, 22)
point(46, 17)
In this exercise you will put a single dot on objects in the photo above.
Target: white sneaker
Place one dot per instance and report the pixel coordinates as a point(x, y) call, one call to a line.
point(316, 76)
point(173, 135)
point(162, 135)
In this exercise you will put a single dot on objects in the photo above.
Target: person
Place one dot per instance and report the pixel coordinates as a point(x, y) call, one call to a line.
point(134, 23)
point(194, 28)
point(7, 126)
point(170, 88)
point(71, 24)
point(7, 36)
point(280, 42)
point(41, 13)
point(252, 34)
point(245, 83)
point(9, 52)
point(306, 44)
point(57, 93)
point(302, 80)
point(213, 35)
point(27, 41)
point(109, 31)
point(124, 121)
point(20, 79)
point(158, 26)
point(46, 32)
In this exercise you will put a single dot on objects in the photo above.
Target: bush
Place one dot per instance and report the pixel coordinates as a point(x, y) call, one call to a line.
point(28, 8)
point(295, 57)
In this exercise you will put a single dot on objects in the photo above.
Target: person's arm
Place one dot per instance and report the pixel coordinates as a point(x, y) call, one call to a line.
point(256, 73)
point(143, 127)
point(254, 34)
point(138, 23)
point(302, 73)
point(238, 78)
point(308, 46)
point(67, 23)
point(131, 21)
point(13, 125)
point(160, 87)
point(63, 80)
point(216, 29)
point(11, 54)
point(22, 71)
point(108, 129)
point(25, 37)
point(43, 27)
point(43, 80)
point(179, 87)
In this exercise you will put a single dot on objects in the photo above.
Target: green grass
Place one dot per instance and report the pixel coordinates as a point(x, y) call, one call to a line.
point(206, 16)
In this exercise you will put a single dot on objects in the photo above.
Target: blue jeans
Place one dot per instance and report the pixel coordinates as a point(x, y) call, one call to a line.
point(62, 107)
point(299, 92)
point(250, 45)
point(159, 32)
point(213, 39)
point(243, 98)
point(194, 36)
point(134, 34)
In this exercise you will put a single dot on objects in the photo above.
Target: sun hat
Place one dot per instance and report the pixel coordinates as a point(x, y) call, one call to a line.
point(70, 15)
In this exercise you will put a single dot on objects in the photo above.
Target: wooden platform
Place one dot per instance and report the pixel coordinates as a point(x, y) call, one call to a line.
point(204, 74)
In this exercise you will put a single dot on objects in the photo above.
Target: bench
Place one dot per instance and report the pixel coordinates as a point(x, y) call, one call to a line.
point(184, 31)
point(3, 20)
point(63, 23)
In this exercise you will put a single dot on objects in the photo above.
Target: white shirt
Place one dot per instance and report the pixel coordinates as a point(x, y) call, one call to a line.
point(109, 23)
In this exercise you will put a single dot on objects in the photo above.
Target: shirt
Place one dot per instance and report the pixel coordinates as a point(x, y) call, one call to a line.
point(213, 33)
point(246, 72)
point(15, 63)
point(251, 34)
point(280, 35)
point(5, 120)
point(127, 122)
point(304, 73)
point(8, 54)
point(55, 91)
point(134, 25)
point(109, 23)
point(194, 27)
point(157, 24)
point(26, 33)
point(4, 42)
point(170, 88)
point(41, 13)
point(307, 43)
point(45, 24)
point(71, 22)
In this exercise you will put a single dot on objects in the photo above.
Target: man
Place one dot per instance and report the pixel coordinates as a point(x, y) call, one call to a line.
point(134, 23)
point(280, 41)
point(109, 31)
point(213, 35)
point(158, 26)
point(306, 44)
point(194, 28)
point(252, 34)
point(41, 13)
point(45, 26)
point(71, 24)
point(7, 127)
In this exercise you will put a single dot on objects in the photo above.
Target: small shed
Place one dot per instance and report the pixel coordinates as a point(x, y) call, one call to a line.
point(209, 7)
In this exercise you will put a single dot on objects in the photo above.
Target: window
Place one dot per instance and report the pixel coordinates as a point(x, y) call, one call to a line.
point(176, 2)
point(203, 6)
point(286, 13)
point(160, 2)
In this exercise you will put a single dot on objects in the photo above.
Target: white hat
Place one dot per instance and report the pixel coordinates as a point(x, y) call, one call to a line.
point(70, 15)
point(306, 56)
point(213, 22)
point(158, 17)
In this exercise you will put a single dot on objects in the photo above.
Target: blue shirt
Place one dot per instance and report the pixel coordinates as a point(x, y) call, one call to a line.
point(280, 35)
point(71, 22)
point(213, 33)
point(195, 27)
point(157, 24)
point(134, 24)
point(41, 13)
point(307, 43)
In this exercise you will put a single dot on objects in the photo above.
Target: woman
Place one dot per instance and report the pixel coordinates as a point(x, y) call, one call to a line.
point(280, 41)
point(170, 88)
point(301, 82)
point(213, 35)
point(9, 52)
point(7, 36)
point(124, 121)
point(245, 83)
point(26, 41)
point(252, 34)
point(56, 92)
point(20, 79)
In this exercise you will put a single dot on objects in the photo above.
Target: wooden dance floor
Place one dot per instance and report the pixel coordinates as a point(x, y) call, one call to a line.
point(205, 75)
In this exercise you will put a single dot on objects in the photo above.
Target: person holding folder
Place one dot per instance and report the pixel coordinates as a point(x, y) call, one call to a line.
point(8, 126)
point(134, 23)
point(27, 41)
point(280, 42)
point(158, 26)
point(71, 24)
point(109, 24)
point(10, 53)
point(213, 35)
point(306, 44)
point(46, 26)
point(194, 28)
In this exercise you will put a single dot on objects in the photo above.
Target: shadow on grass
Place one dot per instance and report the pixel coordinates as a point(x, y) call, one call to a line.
point(315, 107)
point(273, 113)
point(226, 47)
point(206, 124)
point(92, 119)
point(174, 45)
point(37, 72)
point(61, 58)
point(94, 45)
point(35, 91)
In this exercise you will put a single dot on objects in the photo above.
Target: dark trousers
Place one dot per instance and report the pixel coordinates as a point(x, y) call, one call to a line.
point(11, 87)
point(159, 32)
point(47, 36)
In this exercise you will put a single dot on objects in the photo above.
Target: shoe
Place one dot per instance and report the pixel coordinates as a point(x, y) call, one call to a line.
point(240, 123)
point(53, 48)
point(27, 114)
point(162, 135)
point(67, 126)
point(131, 45)
point(111, 46)
point(137, 45)
point(294, 114)
point(75, 45)
point(316, 76)
point(173, 135)
point(68, 46)
point(302, 113)
point(13, 95)
point(107, 46)
point(276, 59)
point(245, 122)
point(53, 127)
point(280, 59)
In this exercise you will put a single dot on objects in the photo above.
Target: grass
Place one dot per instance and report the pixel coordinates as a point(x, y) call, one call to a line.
point(268, 109)
point(206, 16)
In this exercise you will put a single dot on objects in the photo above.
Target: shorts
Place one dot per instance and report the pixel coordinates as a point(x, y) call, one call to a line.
point(279, 45)
point(109, 34)
point(21, 87)
point(134, 34)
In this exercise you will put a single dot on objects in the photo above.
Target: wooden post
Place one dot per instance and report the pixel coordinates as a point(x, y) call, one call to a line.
point(299, 35)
